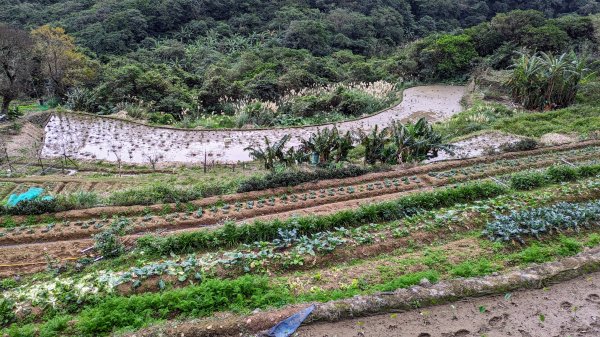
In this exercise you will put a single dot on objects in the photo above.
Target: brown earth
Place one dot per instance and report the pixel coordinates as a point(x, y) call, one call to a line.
point(27, 249)
point(278, 210)
point(399, 172)
point(570, 308)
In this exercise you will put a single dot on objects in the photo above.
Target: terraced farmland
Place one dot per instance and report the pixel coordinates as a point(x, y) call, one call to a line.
point(63, 231)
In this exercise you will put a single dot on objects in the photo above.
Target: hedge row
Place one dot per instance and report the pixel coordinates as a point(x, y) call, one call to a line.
point(293, 178)
point(231, 234)
point(555, 174)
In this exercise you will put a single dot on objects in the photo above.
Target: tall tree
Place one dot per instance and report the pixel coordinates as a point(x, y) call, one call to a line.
point(62, 64)
point(15, 64)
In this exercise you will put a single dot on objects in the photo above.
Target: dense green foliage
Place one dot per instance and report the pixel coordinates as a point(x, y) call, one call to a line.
point(545, 81)
point(293, 178)
point(164, 193)
point(192, 58)
point(194, 301)
point(112, 27)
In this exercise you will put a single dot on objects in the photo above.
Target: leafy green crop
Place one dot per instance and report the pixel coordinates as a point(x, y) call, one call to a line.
point(538, 221)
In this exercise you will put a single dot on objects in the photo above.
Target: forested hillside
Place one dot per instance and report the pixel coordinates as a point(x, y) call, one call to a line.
point(322, 26)
point(178, 61)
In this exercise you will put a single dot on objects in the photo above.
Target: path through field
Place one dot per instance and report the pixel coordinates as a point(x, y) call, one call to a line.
point(567, 309)
point(96, 138)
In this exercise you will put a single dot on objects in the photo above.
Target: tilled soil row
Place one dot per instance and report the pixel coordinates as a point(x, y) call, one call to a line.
point(401, 300)
point(109, 211)
point(181, 221)
point(347, 253)
point(37, 253)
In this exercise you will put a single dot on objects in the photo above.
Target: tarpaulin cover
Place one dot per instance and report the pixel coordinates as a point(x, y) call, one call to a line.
point(32, 194)
point(288, 326)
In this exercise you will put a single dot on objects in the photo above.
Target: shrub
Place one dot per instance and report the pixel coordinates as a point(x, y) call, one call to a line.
point(562, 173)
point(526, 144)
point(527, 181)
point(589, 171)
point(33, 207)
point(153, 194)
point(293, 178)
point(8, 283)
point(108, 242)
point(27, 330)
point(80, 199)
point(55, 326)
point(82, 99)
point(7, 314)
point(161, 118)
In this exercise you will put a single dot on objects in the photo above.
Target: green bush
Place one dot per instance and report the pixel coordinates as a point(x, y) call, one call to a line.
point(293, 178)
point(568, 246)
point(163, 193)
point(554, 174)
point(562, 173)
point(8, 283)
point(33, 207)
point(77, 200)
point(55, 326)
point(161, 118)
point(27, 330)
point(535, 253)
point(231, 234)
point(7, 314)
point(588, 171)
point(527, 181)
point(526, 144)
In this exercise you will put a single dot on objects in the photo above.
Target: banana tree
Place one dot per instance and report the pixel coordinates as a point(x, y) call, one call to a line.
point(374, 143)
point(417, 142)
point(270, 154)
point(329, 145)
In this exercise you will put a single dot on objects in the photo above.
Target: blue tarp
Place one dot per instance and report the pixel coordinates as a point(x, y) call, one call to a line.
point(288, 326)
point(32, 194)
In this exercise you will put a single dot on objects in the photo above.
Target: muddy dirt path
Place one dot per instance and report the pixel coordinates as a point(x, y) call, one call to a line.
point(93, 138)
point(570, 308)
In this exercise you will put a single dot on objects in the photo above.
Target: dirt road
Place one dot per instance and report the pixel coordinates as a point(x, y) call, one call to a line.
point(567, 309)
